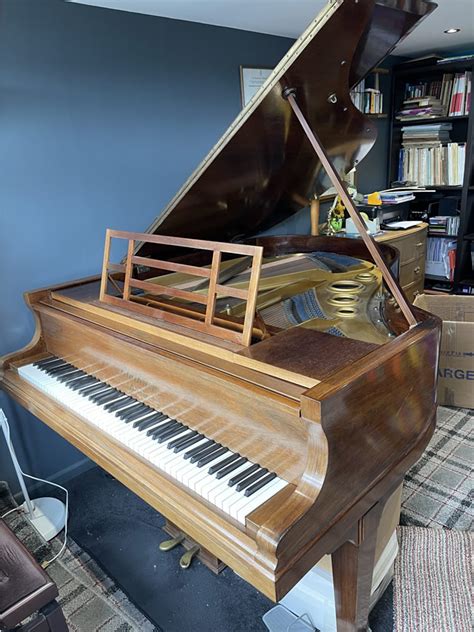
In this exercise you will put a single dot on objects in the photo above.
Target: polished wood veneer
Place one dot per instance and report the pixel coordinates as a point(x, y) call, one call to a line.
point(339, 421)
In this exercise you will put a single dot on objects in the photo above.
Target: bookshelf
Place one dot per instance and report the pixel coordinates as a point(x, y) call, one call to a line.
point(431, 146)
point(368, 95)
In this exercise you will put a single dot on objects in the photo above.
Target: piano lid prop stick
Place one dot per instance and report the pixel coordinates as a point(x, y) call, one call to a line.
point(371, 244)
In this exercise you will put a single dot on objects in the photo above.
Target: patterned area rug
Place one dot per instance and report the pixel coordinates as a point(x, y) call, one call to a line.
point(90, 600)
point(433, 571)
point(438, 490)
point(433, 580)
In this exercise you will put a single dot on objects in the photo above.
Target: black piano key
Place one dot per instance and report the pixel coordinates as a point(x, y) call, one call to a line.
point(259, 484)
point(82, 382)
point(171, 433)
point(60, 370)
point(190, 453)
point(90, 390)
point(177, 442)
point(56, 366)
point(205, 452)
point(100, 396)
point(45, 361)
point(71, 376)
point(52, 365)
point(251, 479)
point(163, 428)
point(130, 416)
point(141, 413)
point(144, 424)
point(242, 475)
point(227, 465)
point(107, 397)
point(129, 410)
point(120, 403)
point(207, 459)
point(189, 442)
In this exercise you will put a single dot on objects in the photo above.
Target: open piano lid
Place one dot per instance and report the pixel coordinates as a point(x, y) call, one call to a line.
point(263, 168)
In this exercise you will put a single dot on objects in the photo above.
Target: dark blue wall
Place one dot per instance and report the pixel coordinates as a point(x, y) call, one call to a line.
point(103, 114)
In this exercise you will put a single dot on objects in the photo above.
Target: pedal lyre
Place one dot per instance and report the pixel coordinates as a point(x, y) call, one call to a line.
point(167, 545)
point(192, 547)
point(187, 558)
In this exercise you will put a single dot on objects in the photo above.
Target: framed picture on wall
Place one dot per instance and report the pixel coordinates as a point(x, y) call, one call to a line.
point(251, 78)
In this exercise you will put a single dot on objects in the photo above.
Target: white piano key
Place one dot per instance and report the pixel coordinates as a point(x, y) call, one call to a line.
point(197, 479)
point(261, 496)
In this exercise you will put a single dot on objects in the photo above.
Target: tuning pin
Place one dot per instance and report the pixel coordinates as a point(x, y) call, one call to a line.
point(187, 558)
point(167, 545)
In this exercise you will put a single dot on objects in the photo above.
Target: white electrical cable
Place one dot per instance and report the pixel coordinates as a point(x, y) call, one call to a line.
point(20, 508)
point(41, 480)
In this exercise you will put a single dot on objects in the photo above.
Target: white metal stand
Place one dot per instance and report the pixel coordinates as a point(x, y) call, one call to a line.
point(47, 515)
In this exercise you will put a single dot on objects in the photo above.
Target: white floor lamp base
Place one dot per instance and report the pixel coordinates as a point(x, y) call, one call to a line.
point(48, 518)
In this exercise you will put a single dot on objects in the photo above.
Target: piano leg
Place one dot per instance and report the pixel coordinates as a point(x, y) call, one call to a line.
point(352, 566)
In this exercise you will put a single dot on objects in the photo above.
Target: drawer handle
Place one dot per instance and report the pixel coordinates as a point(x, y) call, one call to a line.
point(419, 244)
point(417, 270)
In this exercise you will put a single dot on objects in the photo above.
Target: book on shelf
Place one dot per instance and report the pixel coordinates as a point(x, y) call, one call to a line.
point(441, 258)
point(450, 96)
point(434, 133)
point(460, 102)
point(367, 100)
point(443, 225)
point(425, 107)
point(393, 197)
point(429, 158)
point(440, 165)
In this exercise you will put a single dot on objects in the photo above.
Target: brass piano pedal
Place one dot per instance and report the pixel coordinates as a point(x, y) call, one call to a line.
point(187, 558)
point(168, 545)
point(206, 557)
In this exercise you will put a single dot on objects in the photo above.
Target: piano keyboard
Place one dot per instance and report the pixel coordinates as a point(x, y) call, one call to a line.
point(224, 478)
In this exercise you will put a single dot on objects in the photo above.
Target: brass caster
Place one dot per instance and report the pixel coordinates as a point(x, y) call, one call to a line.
point(187, 558)
point(167, 545)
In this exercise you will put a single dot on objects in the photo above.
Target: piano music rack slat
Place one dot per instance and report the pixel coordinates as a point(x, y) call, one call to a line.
point(128, 270)
point(172, 266)
point(156, 288)
point(206, 322)
point(211, 294)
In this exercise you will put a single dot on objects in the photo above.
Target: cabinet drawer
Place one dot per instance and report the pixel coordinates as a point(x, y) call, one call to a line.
point(413, 289)
point(412, 272)
point(410, 247)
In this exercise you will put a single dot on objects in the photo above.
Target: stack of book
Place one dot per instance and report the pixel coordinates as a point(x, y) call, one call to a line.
point(421, 107)
point(443, 225)
point(428, 158)
point(432, 134)
point(393, 196)
point(367, 100)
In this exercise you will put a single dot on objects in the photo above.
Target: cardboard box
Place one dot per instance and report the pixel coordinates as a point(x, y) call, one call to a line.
point(456, 363)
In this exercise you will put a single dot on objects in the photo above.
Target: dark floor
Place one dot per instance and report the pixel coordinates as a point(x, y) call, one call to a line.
point(122, 533)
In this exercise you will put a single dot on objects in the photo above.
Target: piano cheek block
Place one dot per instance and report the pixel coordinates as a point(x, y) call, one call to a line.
point(249, 391)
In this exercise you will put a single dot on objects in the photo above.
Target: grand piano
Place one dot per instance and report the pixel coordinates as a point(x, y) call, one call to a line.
point(266, 394)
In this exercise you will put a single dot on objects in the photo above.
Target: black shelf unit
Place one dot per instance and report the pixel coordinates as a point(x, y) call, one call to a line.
point(462, 131)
